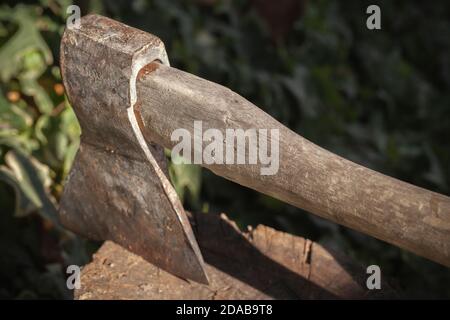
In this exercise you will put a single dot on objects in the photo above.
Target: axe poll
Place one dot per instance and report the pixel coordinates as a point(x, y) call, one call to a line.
point(129, 101)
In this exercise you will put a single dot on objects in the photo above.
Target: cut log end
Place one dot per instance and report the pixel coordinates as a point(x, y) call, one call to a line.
point(260, 264)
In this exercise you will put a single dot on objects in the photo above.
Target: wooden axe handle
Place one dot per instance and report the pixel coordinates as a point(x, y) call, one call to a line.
point(309, 177)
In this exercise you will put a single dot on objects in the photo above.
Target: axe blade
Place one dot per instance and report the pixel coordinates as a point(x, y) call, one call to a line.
point(118, 187)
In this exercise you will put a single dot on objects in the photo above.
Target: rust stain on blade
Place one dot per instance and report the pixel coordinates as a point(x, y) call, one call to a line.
point(149, 68)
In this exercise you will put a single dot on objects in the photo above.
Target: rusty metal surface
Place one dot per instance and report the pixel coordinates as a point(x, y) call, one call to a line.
point(117, 189)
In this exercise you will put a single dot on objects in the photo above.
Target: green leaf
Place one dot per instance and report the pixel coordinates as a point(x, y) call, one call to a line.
point(14, 118)
point(31, 181)
point(26, 39)
point(186, 177)
point(41, 123)
point(24, 205)
point(69, 123)
point(69, 157)
point(31, 87)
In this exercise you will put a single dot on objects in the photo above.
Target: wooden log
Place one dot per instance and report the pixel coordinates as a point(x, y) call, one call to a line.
point(258, 264)
point(309, 177)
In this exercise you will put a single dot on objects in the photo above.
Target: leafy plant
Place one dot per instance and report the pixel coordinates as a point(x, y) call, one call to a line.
point(38, 140)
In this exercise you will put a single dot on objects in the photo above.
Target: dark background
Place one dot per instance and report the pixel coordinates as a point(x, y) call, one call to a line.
point(380, 98)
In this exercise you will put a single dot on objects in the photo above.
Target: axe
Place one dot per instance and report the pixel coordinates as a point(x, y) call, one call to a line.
point(129, 101)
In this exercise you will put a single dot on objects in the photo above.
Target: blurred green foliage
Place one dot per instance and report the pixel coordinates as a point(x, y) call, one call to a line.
point(39, 136)
point(380, 98)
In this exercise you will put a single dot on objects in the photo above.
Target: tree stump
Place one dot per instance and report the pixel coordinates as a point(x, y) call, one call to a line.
point(261, 263)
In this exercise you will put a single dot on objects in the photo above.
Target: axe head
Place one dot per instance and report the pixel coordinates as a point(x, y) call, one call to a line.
point(118, 187)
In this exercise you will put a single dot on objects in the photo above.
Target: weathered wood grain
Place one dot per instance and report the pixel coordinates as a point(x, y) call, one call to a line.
point(309, 177)
point(259, 264)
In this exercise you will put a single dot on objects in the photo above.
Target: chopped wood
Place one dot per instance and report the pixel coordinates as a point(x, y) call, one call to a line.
point(259, 264)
